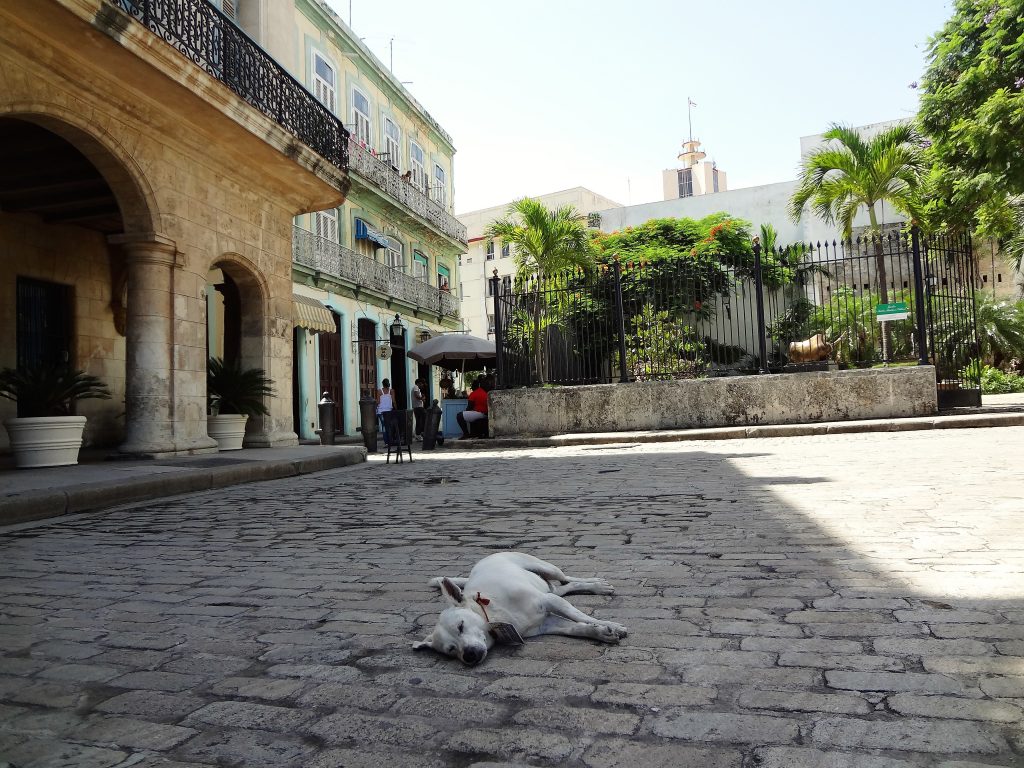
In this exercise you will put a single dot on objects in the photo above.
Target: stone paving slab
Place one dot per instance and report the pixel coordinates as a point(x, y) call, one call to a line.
point(824, 601)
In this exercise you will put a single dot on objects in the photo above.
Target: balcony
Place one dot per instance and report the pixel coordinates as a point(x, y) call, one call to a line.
point(207, 38)
point(378, 172)
point(333, 259)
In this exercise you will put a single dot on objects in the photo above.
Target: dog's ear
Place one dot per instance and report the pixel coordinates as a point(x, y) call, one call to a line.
point(451, 590)
point(427, 642)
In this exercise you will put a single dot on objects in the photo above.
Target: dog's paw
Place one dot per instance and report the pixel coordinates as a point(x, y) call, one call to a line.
point(435, 582)
point(601, 587)
point(610, 632)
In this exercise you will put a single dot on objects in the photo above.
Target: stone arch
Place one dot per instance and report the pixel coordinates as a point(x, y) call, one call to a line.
point(127, 180)
point(252, 323)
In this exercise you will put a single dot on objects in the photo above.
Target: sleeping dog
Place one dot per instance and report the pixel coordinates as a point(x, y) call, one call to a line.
point(510, 596)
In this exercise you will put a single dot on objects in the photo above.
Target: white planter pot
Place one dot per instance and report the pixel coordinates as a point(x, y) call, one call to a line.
point(45, 441)
point(228, 429)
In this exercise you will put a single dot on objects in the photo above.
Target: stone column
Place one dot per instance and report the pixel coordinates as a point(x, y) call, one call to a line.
point(149, 396)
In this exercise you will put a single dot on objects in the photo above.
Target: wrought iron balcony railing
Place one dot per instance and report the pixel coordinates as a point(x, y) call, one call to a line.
point(210, 40)
point(335, 259)
point(378, 171)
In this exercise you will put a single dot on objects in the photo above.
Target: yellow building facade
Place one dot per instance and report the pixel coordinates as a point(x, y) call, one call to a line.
point(392, 247)
point(138, 161)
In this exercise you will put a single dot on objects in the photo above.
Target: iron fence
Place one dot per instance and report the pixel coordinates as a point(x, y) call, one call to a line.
point(799, 308)
point(209, 39)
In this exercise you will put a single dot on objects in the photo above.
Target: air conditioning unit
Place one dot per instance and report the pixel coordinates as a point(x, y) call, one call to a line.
point(384, 351)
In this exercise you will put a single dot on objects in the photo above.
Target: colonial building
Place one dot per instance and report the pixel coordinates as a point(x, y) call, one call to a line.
point(486, 255)
point(392, 247)
point(154, 164)
point(145, 144)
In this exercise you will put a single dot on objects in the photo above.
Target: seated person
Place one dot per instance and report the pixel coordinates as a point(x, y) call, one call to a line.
point(477, 409)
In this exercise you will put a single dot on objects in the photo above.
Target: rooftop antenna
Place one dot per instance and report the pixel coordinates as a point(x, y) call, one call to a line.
point(691, 147)
point(391, 45)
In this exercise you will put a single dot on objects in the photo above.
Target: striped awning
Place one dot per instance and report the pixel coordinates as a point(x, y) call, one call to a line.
point(310, 313)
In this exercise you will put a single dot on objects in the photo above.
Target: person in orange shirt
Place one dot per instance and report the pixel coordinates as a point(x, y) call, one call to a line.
point(477, 409)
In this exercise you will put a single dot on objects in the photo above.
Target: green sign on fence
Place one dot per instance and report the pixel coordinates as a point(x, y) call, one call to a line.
point(897, 310)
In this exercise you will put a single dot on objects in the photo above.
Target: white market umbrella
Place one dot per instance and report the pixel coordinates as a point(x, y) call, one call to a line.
point(452, 350)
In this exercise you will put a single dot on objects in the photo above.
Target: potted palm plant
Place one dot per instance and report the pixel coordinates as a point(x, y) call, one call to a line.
point(234, 394)
point(46, 433)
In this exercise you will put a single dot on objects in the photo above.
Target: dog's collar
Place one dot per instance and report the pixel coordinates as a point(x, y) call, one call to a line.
point(500, 632)
point(483, 602)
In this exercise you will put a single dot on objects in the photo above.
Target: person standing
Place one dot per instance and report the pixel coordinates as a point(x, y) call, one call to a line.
point(419, 406)
point(385, 397)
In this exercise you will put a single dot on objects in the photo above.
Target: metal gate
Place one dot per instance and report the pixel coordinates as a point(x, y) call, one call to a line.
point(952, 323)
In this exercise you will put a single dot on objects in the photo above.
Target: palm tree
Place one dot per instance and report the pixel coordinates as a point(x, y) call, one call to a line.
point(1000, 329)
point(850, 172)
point(546, 242)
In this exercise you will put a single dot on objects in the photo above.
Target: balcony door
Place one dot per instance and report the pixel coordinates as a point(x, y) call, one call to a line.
point(331, 380)
point(367, 330)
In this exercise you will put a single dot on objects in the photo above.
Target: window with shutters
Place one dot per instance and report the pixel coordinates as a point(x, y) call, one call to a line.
point(229, 8)
point(685, 182)
point(327, 224)
point(361, 118)
point(416, 165)
point(440, 186)
point(393, 143)
point(394, 257)
point(419, 266)
point(324, 81)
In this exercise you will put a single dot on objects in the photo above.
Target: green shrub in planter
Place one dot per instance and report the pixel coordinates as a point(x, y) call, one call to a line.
point(49, 390)
point(231, 389)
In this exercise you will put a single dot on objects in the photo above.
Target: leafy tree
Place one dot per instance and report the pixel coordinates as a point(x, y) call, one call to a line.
point(972, 108)
point(546, 243)
point(850, 172)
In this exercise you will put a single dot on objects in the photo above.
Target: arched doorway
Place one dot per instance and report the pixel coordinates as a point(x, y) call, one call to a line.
point(236, 327)
point(64, 196)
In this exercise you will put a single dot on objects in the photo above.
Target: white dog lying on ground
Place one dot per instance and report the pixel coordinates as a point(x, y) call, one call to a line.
point(510, 596)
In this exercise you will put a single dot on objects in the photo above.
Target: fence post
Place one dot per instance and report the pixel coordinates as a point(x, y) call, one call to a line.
point(919, 310)
point(495, 292)
point(620, 317)
point(762, 340)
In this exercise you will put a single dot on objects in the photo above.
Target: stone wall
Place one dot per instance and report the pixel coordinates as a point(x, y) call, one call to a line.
point(719, 402)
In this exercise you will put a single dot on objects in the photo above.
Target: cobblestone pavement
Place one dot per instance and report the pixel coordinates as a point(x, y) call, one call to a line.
point(819, 602)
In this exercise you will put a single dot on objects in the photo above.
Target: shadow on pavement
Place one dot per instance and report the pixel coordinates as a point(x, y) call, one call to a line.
point(828, 602)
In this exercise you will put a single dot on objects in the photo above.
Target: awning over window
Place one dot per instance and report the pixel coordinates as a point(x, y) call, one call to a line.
point(310, 313)
point(365, 232)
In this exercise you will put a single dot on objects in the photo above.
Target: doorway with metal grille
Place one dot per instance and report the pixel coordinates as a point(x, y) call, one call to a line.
point(44, 324)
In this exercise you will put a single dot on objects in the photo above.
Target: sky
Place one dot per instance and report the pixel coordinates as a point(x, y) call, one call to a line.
point(545, 95)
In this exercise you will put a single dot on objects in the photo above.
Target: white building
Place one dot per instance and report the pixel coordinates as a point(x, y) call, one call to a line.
point(695, 177)
point(764, 204)
point(485, 255)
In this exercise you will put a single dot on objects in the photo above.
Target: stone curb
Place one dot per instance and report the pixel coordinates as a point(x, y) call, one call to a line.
point(37, 505)
point(954, 421)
